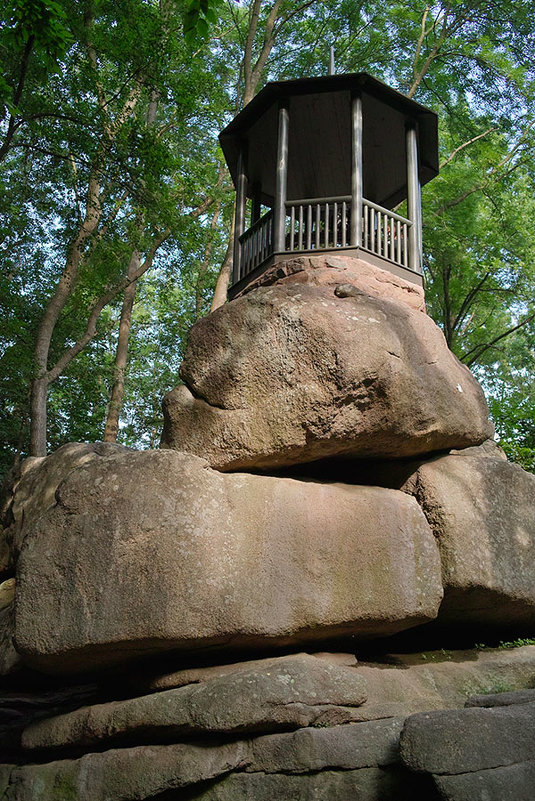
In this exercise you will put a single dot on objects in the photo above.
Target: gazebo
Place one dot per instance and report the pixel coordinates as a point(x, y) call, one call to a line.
point(321, 163)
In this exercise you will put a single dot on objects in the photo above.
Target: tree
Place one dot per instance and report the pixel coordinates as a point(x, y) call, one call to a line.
point(93, 194)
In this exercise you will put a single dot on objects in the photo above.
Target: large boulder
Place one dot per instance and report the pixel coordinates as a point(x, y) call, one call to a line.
point(291, 374)
point(481, 510)
point(486, 754)
point(145, 552)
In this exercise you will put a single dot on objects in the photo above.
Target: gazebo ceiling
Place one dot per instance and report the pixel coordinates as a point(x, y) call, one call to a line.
point(319, 151)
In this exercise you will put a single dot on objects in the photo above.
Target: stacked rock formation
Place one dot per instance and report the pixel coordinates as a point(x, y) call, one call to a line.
point(199, 621)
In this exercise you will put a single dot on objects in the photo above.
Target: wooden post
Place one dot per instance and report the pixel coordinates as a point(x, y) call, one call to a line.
point(414, 204)
point(356, 171)
point(239, 218)
point(279, 212)
point(255, 205)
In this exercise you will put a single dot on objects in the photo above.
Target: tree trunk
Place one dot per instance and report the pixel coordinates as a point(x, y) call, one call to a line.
point(203, 269)
point(121, 354)
point(38, 417)
point(223, 279)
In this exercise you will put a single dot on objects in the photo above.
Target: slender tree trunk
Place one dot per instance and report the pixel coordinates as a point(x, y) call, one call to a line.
point(38, 417)
point(206, 262)
point(121, 354)
point(223, 279)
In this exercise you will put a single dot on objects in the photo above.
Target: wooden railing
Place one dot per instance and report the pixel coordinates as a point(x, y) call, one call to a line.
point(318, 223)
point(256, 244)
point(325, 224)
point(385, 233)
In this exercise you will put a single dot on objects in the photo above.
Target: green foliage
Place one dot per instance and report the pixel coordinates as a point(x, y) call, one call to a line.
point(69, 73)
point(506, 645)
point(198, 15)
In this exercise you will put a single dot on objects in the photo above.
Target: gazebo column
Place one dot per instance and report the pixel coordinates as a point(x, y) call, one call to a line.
point(256, 204)
point(239, 217)
point(356, 171)
point(279, 212)
point(414, 203)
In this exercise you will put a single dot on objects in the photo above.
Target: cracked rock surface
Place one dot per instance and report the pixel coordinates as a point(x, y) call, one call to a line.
point(281, 694)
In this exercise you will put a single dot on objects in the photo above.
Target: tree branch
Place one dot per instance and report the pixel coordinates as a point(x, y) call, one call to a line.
point(98, 306)
point(466, 144)
point(479, 350)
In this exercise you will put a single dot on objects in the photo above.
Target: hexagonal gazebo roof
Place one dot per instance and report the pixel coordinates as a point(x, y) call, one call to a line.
point(319, 148)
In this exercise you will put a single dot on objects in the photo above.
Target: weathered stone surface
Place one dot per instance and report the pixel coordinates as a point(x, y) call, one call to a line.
point(329, 270)
point(368, 784)
point(464, 740)
point(439, 680)
point(128, 774)
point(141, 683)
point(289, 693)
point(33, 490)
point(359, 745)
point(9, 658)
point(482, 513)
point(153, 551)
point(515, 782)
point(287, 375)
point(5, 773)
point(503, 699)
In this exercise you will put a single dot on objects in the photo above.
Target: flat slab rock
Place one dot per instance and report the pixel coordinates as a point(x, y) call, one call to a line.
point(292, 374)
point(503, 699)
point(147, 552)
point(128, 774)
point(439, 680)
point(359, 758)
point(366, 784)
point(282, 694)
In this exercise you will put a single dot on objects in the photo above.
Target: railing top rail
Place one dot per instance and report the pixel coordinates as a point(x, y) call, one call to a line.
point(389, 213)
point(309, 201)
point(258, 224)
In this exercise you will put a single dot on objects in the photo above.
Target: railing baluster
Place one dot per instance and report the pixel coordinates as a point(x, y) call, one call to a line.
point(384, 232)
point(379, 242)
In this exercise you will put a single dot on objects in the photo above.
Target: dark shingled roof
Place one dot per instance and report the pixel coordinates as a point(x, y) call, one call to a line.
point(319, 160)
